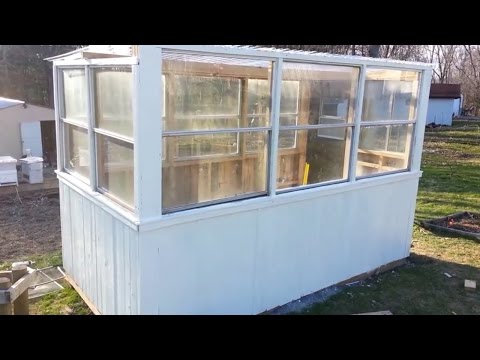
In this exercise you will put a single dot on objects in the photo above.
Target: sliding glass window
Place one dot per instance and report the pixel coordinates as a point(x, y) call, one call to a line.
point(388, 120)
point(216, 129)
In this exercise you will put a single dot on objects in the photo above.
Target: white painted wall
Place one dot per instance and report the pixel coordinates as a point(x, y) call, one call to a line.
point(244, 261)
point(99, 252)
point(10, 120)
point(440, 111)
point(252, 261)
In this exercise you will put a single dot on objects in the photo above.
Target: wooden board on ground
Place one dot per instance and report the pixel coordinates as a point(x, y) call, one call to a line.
point(470, 284)
point(385, 312)
point(82, 295)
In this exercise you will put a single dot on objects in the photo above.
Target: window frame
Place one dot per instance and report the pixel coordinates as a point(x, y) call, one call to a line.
point(169, 157)
point(109, 134)
point(62, 119)
point(90, 126)
point(145, 205)
point(352, 125)
point(380, 123)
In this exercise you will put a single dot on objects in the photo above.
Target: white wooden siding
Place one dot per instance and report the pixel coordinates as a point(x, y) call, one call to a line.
point(100, 253)
point(248, 262)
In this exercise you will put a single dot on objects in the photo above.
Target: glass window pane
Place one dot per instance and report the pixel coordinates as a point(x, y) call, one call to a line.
point(210, 92)
point(319, 94)
point(75, 101)
point(317, 159)
point(206, 95)
point(390, 95)
point(195, 181)
point(289, 97)
point(76, 151)
point(115, 168)
point(113, 99)
point(258, 97)
point(383, 148)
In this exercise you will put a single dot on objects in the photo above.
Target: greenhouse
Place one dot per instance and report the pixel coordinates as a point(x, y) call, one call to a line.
point(232, 179)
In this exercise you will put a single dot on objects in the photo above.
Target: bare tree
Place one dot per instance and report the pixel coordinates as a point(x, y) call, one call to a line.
point(468, 67)
point(444, 57)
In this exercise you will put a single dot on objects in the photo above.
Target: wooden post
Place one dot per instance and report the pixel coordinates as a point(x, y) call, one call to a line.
point(5, 309)
point(20, 305)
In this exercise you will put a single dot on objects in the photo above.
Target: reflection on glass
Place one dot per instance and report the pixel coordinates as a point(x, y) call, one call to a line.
point(383, 148)
point(75, 95)
point(315, 94)
point(113, 99)
point(289, 97)
point(327, 92)
point(76, 151)
point(207, 145)
point(390, 95)
point(115, 168)
point(321, 159)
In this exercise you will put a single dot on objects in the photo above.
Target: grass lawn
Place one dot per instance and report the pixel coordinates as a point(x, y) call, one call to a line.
point(450, 183)
point(66, 301)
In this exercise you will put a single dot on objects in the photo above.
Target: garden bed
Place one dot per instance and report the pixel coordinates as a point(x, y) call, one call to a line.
point(463, 223)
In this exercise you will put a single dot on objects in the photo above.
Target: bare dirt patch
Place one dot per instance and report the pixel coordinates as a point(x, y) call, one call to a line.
point(467, 222)
point(462, 223)
point(30, 226)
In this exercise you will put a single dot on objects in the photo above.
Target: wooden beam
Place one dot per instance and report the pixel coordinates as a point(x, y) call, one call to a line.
point(20, 305)
point(21, 285)
point(94, 55)
point(82, 295)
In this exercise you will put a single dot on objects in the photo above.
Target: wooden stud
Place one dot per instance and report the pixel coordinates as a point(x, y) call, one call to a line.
point(20, 305)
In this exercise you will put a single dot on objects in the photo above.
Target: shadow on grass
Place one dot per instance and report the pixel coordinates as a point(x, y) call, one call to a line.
point(417, 288)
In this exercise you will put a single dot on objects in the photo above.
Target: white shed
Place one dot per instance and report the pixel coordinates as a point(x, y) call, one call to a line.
point(444, 104)
point(24, 126)
point(231, 180)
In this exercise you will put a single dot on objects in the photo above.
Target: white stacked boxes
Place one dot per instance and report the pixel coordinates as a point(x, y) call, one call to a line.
point(32, 169)
point(8, 171)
